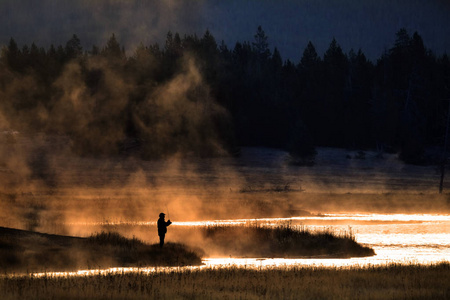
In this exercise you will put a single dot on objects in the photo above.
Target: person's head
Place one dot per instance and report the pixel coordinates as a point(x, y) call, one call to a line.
point(162, 215)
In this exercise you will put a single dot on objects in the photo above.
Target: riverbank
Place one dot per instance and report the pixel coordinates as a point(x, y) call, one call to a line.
point(383, 282)
point(24, 251)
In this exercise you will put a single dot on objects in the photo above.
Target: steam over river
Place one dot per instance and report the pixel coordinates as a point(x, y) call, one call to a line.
point(389, 206)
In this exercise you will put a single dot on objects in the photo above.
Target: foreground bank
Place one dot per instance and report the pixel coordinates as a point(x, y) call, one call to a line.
point(26, 251)
point(383, 282)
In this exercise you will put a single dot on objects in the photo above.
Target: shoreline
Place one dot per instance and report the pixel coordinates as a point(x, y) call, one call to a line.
point(27, 251)
point(209, 267)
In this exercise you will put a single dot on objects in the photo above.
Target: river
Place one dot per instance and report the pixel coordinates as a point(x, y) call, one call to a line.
point(396, 238)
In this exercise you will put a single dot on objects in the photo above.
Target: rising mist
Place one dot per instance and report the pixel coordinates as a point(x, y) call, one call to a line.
point(100, 136)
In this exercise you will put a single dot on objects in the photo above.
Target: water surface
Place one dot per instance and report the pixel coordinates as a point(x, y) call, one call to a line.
point(396, 238)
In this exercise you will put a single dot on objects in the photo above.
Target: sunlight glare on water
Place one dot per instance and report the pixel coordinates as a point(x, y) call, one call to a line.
point(396, 238)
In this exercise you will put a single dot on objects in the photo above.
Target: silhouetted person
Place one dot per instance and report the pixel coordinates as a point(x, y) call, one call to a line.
point(162, 228)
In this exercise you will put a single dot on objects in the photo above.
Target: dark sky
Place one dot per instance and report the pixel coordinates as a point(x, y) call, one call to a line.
point(367, 24)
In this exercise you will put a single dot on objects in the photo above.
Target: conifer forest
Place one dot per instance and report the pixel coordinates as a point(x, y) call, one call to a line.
point(194, 95)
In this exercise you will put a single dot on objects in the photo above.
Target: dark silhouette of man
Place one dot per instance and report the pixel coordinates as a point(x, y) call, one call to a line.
point(162, 228)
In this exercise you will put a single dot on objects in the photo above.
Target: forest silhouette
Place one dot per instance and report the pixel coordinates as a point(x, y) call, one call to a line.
point(193, 96)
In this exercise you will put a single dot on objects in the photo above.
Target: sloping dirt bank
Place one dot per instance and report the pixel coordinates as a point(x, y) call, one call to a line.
point(27, 251)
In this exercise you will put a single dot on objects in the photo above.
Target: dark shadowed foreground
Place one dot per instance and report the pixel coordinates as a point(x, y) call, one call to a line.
point(385, 282)
point(25, 251)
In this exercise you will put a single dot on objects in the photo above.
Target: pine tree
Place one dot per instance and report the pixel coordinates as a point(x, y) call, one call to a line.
point(73, 48)
point(309, 59)
point(112, 50)
point(14, 57)
point(334, 82)
point(261, 45)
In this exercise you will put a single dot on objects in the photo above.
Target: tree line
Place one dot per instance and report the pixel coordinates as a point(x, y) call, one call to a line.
point(193, 95)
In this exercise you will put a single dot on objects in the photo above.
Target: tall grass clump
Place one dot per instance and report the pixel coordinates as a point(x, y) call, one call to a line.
point(282, 240)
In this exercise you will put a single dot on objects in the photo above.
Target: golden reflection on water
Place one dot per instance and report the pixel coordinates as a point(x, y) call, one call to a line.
point(322, 217)
point(383, 258)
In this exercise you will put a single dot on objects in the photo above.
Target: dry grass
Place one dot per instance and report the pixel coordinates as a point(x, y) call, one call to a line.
point(385, 282)
point(26, 251)
point(282, 240)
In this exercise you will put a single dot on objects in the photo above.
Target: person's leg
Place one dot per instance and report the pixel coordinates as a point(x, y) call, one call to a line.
point(161, 241)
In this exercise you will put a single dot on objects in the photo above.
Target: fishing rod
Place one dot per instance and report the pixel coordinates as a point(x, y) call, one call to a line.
point(168, 212)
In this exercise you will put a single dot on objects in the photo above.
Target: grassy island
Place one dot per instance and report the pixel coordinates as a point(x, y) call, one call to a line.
point(282, 241)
